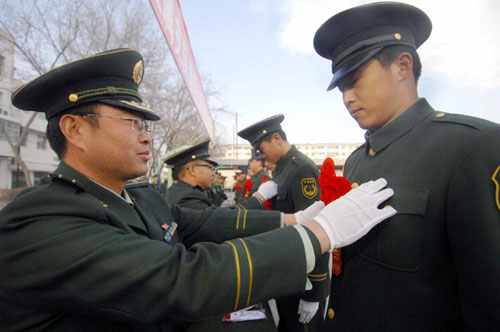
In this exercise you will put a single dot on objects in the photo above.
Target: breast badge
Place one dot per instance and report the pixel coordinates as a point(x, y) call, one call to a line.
point(309, 187)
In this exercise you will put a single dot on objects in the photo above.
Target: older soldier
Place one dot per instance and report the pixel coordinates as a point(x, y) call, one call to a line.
point(194, 169)
point(436, 266)
point(84, 253)
point(296, 176)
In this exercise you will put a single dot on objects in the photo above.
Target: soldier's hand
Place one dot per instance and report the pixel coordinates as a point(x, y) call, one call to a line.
point(268, 190)
point(308, 214)
point(348, 218)
point(307, 310)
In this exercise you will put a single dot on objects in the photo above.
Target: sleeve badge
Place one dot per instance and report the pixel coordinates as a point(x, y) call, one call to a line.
point(309, 187)
point(496, 180)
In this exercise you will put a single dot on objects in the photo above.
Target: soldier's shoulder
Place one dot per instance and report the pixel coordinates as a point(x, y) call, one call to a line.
point(453, 119)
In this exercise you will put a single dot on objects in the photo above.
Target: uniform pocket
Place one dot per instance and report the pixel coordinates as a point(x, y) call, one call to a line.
point(397, 243)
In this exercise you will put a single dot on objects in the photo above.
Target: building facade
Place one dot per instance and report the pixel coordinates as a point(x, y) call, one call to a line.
point(34, 150)
point(317, 151)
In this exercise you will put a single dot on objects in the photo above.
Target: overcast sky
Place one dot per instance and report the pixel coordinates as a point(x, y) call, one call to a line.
point(260, 55)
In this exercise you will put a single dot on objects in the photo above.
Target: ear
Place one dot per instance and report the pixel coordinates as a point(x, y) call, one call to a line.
point(404, 63)
point(276, 138)
point(191, 169)
point(72, 128)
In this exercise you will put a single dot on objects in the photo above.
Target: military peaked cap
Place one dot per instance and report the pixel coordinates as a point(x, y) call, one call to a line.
point(111, 77)
point(195, 152)
point(256, 132)
point(354, 36)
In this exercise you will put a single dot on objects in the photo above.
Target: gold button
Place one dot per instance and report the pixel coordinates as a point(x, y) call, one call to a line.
point(193, 157)
point(73, 98)
point(73, 180)
point(440, 115)
point(60, 175)
point(331, 313)
point(371, 152)
point(293, 157)
point(397, 36)
point(354, 185)
point(278, 197)
point(264, 131)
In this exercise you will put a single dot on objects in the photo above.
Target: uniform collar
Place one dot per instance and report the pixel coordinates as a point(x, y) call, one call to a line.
point(107, 197)
point(69, 174)
point(289, 156)
point(380, 139)
point(187, 185)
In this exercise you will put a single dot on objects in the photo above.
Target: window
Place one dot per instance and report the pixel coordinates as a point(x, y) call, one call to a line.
point(13, 131)
point(41, 142)
point(18, 180)
point(2, 61)
point(39, 177)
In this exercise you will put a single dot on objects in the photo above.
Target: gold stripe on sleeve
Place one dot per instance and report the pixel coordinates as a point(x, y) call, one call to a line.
point(238, 220)
point(245, 219)
point(250, 268)
point(238, 275)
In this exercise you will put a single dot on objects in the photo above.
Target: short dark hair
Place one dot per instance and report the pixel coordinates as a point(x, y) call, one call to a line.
point(388, 54)
point(55, 136)
point(268, 137)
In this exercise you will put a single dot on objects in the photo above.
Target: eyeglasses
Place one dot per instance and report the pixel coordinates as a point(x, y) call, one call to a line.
point(138, 125)
point(210, 167)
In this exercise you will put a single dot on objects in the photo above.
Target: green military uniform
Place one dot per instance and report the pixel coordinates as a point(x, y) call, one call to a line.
point(448, 279)
point(194, 197)
point(76, 256)
point(435, 266)
point(256, 181)
point(239, 194)
point(296, 176)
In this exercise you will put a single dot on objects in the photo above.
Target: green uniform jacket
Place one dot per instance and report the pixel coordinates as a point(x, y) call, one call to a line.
point(77, 257)
point(257, 181)
point(296, 176)
point(185, 195)
point(191, 197)
point(240, 194)
point(435, 266)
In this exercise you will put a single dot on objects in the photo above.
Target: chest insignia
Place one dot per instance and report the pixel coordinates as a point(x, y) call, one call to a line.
point(170, 231)
point(309, 187)
point(496, 180)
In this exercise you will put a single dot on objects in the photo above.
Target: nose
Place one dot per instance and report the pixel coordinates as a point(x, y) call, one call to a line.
point(146, 138)
point(348, 97)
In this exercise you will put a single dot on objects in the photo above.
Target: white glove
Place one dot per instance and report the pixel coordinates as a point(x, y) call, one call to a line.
point(348, 218)
point(307, 310)
point(268, 190)
point(310, 212)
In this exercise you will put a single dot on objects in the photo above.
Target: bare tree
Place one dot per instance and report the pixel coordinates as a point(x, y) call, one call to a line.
point(48, 33)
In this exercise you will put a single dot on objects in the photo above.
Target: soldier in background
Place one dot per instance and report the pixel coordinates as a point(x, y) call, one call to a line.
point(256, 165)
point(296, 176)
point(195, 172)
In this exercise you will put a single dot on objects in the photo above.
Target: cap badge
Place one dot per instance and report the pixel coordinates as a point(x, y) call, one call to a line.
point(397, 36)
point(138, 72)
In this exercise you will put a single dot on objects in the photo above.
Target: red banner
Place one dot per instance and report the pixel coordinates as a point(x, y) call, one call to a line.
point(169, 15)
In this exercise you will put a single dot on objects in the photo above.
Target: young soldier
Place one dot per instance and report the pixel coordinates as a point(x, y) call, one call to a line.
point(296, 176)
point(436, 266)
point(82, 253)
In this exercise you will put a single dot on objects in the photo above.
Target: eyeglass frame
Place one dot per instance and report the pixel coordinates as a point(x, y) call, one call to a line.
point(211, 167)
point(145, 124)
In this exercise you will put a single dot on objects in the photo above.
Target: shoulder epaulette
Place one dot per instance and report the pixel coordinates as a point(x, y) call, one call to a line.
point(66, 179)
point(461, 119)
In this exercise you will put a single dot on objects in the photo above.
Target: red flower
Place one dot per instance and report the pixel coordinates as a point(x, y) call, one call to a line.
point(331, 185)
